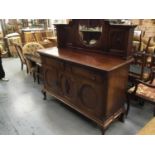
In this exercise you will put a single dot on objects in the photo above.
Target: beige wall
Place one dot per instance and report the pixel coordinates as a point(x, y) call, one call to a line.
point(148, 25)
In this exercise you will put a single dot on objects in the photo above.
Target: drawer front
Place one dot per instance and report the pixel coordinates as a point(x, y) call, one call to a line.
point(88, 73)
point(52, 62)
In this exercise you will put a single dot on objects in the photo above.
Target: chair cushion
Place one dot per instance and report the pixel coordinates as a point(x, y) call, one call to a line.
point(144, 91)
point(32, 47)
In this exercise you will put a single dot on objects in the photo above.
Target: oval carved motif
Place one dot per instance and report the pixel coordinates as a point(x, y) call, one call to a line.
point(88, 96)
point(67, 85)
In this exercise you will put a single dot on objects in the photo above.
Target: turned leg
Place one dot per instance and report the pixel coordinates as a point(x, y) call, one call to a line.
point(44, 94)
point(27, 71)
point(34, 76)
point(122, 118)
point(128, 105)
point(38, 79)
point(38, 73)
point(21, 66)
point(102, 130)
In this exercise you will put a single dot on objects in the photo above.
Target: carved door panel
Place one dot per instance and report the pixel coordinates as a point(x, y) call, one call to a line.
point(92, 97)
point(118, 41)
point(68, 85)
point(51, 79)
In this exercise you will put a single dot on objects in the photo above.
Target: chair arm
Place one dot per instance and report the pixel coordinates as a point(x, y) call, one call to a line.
point(152, 76)
point(144, 83)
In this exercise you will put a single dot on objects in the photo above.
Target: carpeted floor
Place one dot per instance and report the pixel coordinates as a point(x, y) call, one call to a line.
point(23, 111)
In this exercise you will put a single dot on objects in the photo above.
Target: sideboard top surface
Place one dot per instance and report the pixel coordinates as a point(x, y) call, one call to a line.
point(81, 56)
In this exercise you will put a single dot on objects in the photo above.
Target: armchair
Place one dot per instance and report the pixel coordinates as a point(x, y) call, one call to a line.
point(139, 69)
point(142, 91)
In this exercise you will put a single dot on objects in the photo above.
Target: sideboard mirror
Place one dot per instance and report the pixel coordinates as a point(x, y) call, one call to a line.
point(89, 33)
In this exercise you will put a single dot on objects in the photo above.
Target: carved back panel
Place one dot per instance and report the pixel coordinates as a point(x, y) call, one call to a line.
point(114, 39)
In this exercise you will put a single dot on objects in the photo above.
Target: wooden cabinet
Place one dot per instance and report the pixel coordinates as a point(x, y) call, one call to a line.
point(92, 84)
point(90, 73)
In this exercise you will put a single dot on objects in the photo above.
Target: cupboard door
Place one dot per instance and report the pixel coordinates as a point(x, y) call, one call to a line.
point(91, 96)
point(51, 81)
point(68, 85)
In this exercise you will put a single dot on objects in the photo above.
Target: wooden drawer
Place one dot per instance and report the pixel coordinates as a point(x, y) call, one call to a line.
point(88, 73)
point(53, 63)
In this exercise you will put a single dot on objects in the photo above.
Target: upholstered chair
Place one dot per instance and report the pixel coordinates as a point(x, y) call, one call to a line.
point(41, 40)
point(19, 50)
point(30, 49)
point(142, 91)
point(29, 37)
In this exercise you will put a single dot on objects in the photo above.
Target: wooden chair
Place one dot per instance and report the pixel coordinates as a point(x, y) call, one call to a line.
point(41, 40)
point(49, 33)
point(38, 36)
point(29, 37)
point(32, 48)
point(140, 69)
point(137, 40)
point(142, 91)
point(141, 57)
point(150, 50)
point(33, 59)
point(21, 56)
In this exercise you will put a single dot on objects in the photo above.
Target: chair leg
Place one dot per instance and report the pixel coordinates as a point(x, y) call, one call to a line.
point(38, 79)
point(38, 73)
point(44, 94)
point(27, 71)
point(154, 112)
point(34, 76)
point(21, 66)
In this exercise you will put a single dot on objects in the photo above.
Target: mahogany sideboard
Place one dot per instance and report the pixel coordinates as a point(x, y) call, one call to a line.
point(89, 69)
point(90, 83)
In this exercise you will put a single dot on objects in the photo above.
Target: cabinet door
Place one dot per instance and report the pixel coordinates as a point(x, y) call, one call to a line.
point(92, 97)
point(68, 85)
point(51, 79)
point(90, 90)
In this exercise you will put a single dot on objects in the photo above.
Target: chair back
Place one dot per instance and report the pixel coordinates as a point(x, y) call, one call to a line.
point(137, 40)
point(31, 48)
point(38, 36)
point(141, 61)
point(29, 37)
point(20, 52)
point(49, 33)
point(139, 69)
